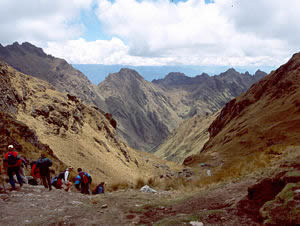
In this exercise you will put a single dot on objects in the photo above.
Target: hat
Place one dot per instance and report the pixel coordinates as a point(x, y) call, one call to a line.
point(10, 146)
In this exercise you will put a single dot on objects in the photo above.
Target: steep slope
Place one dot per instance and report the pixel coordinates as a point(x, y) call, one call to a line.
point(262, 121)
point(188, 139)
point(32, 60)
point(79, 135)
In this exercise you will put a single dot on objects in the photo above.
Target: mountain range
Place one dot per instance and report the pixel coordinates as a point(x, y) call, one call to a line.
point(146, 112)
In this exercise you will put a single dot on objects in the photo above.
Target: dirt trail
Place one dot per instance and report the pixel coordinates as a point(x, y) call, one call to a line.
point(34, 205)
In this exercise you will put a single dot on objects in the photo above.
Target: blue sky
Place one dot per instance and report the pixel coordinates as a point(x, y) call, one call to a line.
point(231, 33)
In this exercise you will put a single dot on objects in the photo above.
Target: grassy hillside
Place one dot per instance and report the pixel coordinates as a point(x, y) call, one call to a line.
point(188, 139)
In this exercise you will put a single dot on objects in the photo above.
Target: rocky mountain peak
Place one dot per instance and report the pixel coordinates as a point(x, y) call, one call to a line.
point(231, 72)
point(259, 74)
point(125, 74)
point(175, 76)
point(24, 48)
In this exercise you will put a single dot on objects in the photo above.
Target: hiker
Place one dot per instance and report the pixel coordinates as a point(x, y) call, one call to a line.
point(99, 189)
point(43, 164)
point(83, 180)
point(64, 177)
point(12, 164)
point(35, 173)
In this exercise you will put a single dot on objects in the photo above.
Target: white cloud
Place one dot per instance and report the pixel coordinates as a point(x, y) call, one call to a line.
point(227, 32)
point(40, 21)
point(159, 32)
point(109, 52)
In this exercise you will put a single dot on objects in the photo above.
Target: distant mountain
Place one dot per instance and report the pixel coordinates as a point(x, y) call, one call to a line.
point(147, 112)
point(205, 93)
point(252, 128)
point(144, 111)
point(96, 73)
point(32, 60)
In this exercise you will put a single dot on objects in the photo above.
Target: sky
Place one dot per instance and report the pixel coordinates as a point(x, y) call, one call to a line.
point(247, 33)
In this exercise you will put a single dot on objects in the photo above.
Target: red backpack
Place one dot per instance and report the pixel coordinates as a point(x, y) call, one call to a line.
point(84, 177)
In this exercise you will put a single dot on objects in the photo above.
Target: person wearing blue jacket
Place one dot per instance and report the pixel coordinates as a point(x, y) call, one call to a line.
point(83, 181)
point(43, 164)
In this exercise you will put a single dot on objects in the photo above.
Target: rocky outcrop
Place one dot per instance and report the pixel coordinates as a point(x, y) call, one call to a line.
point(275, 200)
point(9, 99)
point(17, 133)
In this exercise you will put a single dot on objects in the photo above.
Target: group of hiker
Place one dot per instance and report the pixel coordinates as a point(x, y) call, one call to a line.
point(14, 165)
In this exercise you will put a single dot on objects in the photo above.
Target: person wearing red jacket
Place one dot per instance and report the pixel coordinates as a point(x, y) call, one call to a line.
point(12, 164)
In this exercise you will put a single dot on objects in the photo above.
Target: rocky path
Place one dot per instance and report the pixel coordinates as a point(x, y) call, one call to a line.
point(34, 205)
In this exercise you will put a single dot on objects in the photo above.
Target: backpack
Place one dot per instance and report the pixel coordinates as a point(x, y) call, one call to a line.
point(12, 158)
point(36, 171)
point(99, 189)
point(56, 182)
point(84, 178)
